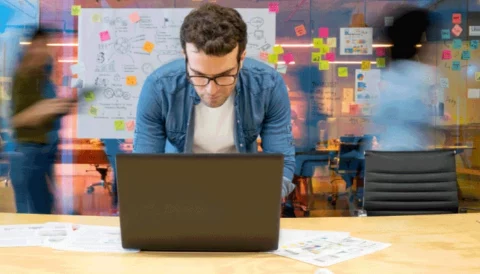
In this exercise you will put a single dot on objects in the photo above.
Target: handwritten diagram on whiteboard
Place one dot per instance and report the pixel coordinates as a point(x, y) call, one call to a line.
point(119, 48)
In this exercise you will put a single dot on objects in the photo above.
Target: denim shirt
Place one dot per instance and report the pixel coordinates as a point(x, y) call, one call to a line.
point(165, 118)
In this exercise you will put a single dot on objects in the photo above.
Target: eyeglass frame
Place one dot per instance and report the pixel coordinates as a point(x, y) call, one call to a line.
point(235, 76)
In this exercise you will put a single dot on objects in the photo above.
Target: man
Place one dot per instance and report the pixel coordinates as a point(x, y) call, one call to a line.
point(215, 100)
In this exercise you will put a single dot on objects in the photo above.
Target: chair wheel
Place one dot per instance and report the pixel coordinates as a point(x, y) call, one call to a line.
point(90, 190)
point(306, 213)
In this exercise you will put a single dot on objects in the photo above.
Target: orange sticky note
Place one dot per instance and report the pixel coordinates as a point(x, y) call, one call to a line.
point(134, 17)
point(131, 80)
point(300, 30)
point(264, 55)
point(148, 47)
point(130, 125)
point(457, 18)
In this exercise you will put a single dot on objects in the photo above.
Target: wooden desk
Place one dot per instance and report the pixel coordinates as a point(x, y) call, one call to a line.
point(420, 244)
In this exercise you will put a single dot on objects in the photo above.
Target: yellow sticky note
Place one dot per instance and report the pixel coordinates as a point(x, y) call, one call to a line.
point(380, 62)
point(316, 57)
point(119, 125)
point(278, 49)
point(317, 42)
point(323, 65)
point(365, 65)
point(96, 18)
point(273, 58)
point(148, 47)
point(76, 10)
point(477, 76)
point(342, 72)
point(324, 49)
point(131, 80)
point(93, 111)
point(89, 96)
point(332, 42)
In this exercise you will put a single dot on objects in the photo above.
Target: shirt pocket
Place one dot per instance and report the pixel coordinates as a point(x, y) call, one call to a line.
point(176, 138)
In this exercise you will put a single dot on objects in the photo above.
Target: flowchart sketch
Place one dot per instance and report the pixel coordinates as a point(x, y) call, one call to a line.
point(118, 54)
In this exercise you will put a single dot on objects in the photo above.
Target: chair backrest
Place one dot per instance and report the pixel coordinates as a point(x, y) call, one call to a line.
point(410, 183)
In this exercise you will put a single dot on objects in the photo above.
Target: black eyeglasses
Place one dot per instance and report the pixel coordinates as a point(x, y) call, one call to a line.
point(221, 80)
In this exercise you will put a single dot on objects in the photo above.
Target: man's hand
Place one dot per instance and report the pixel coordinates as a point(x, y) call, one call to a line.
point(41, 111)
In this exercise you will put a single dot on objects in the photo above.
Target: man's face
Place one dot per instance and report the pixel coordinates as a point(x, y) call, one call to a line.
point(200, 64)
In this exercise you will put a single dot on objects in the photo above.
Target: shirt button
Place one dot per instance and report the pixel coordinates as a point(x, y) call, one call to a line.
point(238, 121)
point(241, 145)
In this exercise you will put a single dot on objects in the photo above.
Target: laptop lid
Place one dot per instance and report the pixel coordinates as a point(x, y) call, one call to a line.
point(200, 202)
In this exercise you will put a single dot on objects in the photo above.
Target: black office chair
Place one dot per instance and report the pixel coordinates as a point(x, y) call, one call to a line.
point(103, 171)
point(410, 183)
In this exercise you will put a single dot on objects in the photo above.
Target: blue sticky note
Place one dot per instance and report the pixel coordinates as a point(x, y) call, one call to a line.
point(445, 34)
point(457, 43)
point(456, 65)
point(466, 55)
point(474, 44)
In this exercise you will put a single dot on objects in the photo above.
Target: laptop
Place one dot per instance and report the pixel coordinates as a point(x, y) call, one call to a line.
point(200, 202)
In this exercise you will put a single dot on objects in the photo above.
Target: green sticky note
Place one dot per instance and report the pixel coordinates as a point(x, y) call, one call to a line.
point(317, 42)
point(316, 57)
point(324, 49)
point(278, 49)
point(380, 62)
point(76, 10)
point(342, 72)
point(96, 18)
point(456, 65)
point(89, 96)
point(466, 55)
point(273, 58)
point(93, 111)
point(119, 125)
point(323, 65)
point(457, 43)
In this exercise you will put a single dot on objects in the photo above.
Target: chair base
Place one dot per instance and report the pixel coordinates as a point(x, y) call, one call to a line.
point(106, 185)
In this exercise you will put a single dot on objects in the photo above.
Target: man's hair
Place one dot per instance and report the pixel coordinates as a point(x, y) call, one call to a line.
point(215, 30)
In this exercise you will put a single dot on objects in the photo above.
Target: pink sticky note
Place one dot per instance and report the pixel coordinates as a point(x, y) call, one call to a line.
point(288, 58)
point(104, 36)
point(380, 51)
point(457, 30)
point(134, 17)
point(330, 56)
point(323, 32)
point(273, 7)
point(446, 54)
point(130, 125)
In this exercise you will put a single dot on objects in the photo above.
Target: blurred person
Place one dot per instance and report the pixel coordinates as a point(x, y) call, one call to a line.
point(36, 114)
point(216, 100)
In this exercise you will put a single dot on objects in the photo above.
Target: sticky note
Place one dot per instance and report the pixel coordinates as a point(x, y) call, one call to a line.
point(380, 51)
point(148, 46)
point(330, 56)
point(365, 65)
point(466, 55)
point(323, 32)
point(457, 30)
point(445, 34)
point(345, 107)
point(96, 18)
point(354, 109)
point(323, 65)
point(278, 49)
point(473, 93)
point(65, 81)
point(104, 36)
point(300, 30)
point(273, 7)
point(477, 76)
point(324, 49)
point(446, 54)
point(388, 21)
point(288, 58)
point(456, 65)
point(264, 55)
point(457, 18)
point(76, 83)
point(89, 96)
point(317, 42)
point(282, 68)
point(444, 82)
point(457, 43)
point(76, 10)
point(332, 42)
point(342, 72)
point(77, 68)
point(130, 125)
point(134, 17)
point(119, 125)
point(316, 57)
point(473, 44)
point(273, 58)
point(131, 80)
point(93, 111)
point(380, 62)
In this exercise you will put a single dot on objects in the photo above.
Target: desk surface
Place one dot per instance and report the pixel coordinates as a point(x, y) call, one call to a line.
point(420, 244)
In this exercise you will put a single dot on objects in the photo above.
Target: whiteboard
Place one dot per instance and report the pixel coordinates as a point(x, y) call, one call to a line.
point(108, 65)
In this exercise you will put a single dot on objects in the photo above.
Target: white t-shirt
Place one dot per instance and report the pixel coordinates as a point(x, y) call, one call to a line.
point(214, 130)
